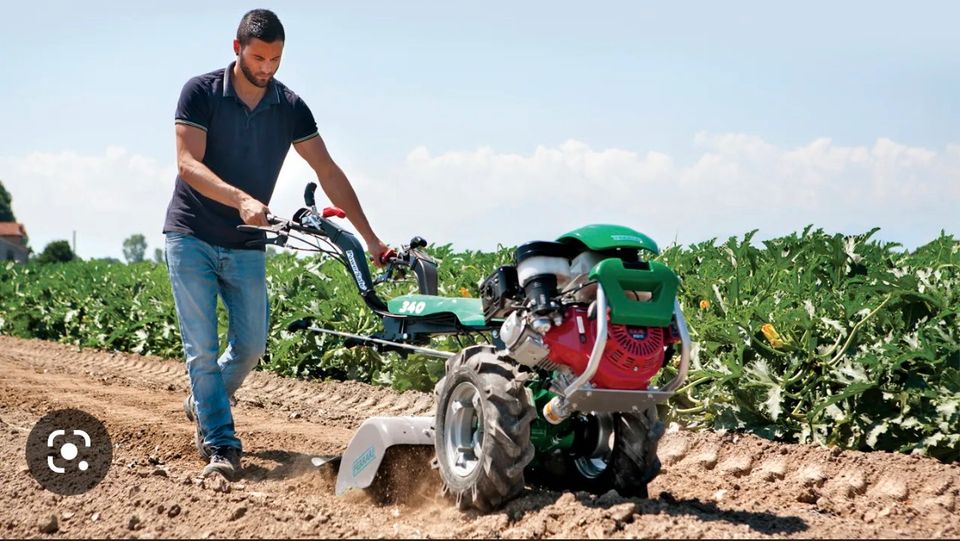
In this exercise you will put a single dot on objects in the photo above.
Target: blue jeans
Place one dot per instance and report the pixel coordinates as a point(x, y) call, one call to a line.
point(198, 273)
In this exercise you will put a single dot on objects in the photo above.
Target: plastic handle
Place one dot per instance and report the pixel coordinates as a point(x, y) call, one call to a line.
point(300, 214)
point(334, 211)
point(308, 194)
point(385, 256)
point(617, 278)
point(418, 242)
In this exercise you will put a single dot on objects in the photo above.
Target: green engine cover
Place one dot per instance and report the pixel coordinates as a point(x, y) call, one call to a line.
point(599, 237)
point(468, 311)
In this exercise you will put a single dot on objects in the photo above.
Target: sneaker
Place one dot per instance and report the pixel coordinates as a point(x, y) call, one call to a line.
point(189, 407)
point(190, 410)
point(198, 441)
point(226, 462)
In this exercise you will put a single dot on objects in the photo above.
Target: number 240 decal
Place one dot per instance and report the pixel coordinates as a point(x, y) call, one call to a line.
point(413, 307)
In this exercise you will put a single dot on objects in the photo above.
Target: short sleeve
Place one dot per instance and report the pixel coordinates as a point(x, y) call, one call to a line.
point(193, 108)
point(304, 126)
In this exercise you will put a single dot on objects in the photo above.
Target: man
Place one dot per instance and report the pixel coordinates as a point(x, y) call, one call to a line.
point(234, 127)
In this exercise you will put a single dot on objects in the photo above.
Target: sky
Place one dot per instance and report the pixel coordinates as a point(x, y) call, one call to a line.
point(478, 124)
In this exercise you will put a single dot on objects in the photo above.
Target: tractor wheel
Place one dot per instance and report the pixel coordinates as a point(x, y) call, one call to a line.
point(482, 430)
point(615, 451)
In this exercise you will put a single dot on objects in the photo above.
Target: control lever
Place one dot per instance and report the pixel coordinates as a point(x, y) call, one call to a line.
point(279, 240)
point(389, 259)
point(385, 256)
point(417, 242)
point(309, 196)
point(276, 227)
point(309, 219)
point(334, 211)
point(310, 199)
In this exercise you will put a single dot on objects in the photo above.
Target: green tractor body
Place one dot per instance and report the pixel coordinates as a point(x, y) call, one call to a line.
point(469, 312)
point(603, 237)
point(576, 330)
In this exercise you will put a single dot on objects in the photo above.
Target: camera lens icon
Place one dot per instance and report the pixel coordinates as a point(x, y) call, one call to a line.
point(69, 452)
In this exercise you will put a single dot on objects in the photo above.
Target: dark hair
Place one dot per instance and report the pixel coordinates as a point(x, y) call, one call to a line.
point(262, 24)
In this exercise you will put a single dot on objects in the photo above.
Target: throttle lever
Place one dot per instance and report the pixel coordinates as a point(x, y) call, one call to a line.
point(334, 211)
point(246, 228)
point(385, 256)
point(279, 240)
point(309, 196)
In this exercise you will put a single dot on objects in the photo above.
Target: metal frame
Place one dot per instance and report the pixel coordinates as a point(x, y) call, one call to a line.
point(583, 398)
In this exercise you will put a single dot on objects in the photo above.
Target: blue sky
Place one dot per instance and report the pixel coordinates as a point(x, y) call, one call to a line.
point(505, 121)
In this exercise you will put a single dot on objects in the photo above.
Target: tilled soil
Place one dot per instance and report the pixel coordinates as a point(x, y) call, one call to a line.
point(712, 485)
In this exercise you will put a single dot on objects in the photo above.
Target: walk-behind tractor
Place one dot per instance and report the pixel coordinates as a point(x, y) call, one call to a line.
point(559, 395)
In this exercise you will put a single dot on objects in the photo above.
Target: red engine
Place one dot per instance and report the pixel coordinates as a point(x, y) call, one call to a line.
point(632, 356)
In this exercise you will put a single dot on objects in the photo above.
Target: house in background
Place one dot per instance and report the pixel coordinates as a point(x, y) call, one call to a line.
point(13, 242)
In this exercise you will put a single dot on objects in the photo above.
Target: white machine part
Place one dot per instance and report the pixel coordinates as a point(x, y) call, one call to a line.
point(538, 265)
point(584, 262)
point(361, 460)
point(524, 344)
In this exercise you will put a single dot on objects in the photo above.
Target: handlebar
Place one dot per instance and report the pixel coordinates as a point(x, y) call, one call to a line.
point(410, 257)
point(387, 256)
point(347, 248)
point(282, 227)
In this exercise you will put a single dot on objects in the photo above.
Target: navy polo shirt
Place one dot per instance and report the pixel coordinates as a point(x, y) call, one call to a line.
point(244, 148)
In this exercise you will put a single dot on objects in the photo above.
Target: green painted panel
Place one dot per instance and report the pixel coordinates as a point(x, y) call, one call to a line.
point(605, 237)
point(657, 279)
point(468, 311)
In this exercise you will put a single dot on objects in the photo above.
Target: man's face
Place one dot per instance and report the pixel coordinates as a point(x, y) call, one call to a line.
point(258, 60)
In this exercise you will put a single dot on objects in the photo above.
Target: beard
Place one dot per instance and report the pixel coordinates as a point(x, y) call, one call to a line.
point(248, 73)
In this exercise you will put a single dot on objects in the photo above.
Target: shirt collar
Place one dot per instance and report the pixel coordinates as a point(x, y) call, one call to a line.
point(271, 97)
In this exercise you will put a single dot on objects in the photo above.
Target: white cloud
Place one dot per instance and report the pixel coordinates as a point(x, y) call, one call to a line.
point(105, 198)
point(478, 198)
point(736, 183)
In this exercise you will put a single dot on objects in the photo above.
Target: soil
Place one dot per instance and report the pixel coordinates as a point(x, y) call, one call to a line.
point(716, 485)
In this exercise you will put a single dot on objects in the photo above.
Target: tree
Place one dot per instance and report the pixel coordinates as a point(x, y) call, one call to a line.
point(6, 205)
point(57, 251)
point(134, 248)
point(158, 256)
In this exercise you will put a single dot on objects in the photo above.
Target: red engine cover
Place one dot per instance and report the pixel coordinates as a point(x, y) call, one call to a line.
point(632, 356)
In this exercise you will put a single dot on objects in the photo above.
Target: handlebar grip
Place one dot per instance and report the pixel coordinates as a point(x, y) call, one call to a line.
point(334, 211)
point(308, 194)
point(385, 256)
point(418, 242)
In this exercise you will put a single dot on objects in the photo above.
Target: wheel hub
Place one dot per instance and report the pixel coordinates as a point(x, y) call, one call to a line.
point(463, 429)
point(598, 443)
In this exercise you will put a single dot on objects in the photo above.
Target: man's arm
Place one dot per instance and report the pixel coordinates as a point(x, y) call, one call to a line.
point(340, 192)
point(191, 147)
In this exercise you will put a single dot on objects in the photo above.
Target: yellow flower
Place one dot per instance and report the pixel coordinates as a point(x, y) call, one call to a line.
point(704, 304)
point(772, 335)
point(464, 292)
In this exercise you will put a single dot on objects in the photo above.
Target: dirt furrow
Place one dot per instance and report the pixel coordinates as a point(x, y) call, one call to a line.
point(712, 485)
